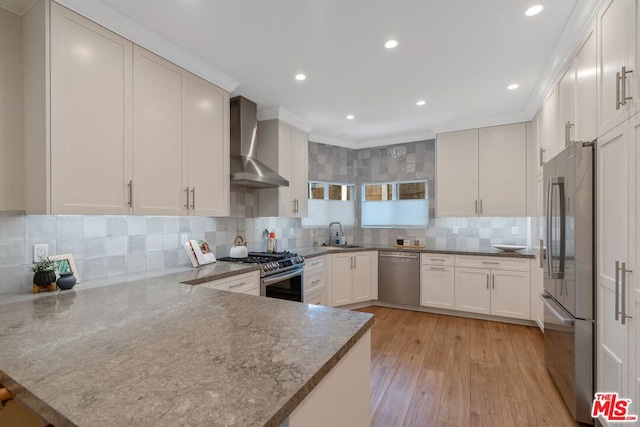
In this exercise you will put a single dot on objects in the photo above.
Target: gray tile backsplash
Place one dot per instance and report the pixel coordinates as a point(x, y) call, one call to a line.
point(110, 245)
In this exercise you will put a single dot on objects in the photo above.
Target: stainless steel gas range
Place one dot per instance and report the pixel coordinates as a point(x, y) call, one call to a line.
point(281, 273)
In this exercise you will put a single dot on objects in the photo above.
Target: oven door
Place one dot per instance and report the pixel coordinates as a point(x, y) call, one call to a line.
point(287, 285)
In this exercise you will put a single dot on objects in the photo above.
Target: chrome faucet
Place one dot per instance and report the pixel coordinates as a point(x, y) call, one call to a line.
point(331, 241)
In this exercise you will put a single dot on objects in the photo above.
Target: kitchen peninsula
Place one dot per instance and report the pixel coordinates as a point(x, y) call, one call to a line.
point(159, 352)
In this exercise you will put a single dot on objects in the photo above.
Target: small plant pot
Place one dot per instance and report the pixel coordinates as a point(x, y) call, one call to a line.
point(66, 280)
point(44, 278)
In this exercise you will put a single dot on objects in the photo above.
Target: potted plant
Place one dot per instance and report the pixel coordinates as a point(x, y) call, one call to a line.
point(45, 272)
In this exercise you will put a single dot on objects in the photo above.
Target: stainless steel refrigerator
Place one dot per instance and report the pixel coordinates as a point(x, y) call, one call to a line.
point(569, 275)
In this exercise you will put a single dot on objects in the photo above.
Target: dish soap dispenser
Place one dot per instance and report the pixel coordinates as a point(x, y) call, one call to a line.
point(336, 241)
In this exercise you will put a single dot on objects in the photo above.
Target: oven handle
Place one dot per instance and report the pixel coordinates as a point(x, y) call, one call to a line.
point(280, 277)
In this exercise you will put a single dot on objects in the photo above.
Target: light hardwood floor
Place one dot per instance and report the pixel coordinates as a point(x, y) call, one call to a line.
point(433, 370)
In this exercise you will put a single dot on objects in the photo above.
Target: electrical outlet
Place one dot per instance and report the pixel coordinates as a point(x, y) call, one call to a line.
point(40, 252)
point(455, 230)
point(184, 238)
point(514, 230)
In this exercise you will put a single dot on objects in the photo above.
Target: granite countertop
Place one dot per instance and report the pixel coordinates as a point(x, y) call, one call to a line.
point(323, 250)
point(155, 352)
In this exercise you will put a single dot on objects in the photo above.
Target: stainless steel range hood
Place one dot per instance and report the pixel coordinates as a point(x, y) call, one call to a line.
point(246, 169)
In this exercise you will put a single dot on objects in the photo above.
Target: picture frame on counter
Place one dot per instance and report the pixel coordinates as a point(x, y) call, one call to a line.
point(65, 263)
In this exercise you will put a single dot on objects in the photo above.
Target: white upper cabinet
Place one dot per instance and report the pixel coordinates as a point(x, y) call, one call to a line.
point(208, 136)
point(586, 88)
point(284, 148)
point(123, 130)
point(502, 171)
point(471, 167)
point(11, 147)
point(566, 108)
point(457, 173)
point(550, 131)
point(615, 71)
point(159, 151)
point(91, 92)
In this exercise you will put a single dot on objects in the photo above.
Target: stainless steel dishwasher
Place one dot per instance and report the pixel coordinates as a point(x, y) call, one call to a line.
point(399, 278)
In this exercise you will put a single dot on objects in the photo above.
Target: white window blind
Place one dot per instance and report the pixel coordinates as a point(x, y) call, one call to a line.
point(322, 212)
point(396, 213)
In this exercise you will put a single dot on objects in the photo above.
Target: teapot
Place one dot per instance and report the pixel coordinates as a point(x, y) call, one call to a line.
point(239, 249)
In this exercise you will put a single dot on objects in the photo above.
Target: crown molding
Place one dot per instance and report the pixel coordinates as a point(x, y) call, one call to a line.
point(329, 140)
point(281, 113)
point(122, 25)
point(17, 11)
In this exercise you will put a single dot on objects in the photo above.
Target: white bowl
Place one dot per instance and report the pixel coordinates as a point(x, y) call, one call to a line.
point(509, 248)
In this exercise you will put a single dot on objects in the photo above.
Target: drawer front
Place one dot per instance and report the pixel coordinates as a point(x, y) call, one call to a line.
point(240, 283)
point(437, 259)
point(314, 282)
point(316, 298)
point(314, 264)
point(494, 263)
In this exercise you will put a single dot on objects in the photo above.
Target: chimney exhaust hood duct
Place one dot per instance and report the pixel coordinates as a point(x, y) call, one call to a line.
point(246, 169)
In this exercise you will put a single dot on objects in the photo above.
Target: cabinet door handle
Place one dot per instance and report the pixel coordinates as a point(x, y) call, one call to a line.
point(193, 198)
point(314, 263)
point(480, 205)
point(437, 259)
point(618, 103)
point(623, 314)
point(487, 281)
point(567, 133)
point(130, 185)
point(237, 285)
point(186, 190)
point(617, 292)
point(355, 262)
point(351, 260)
point(542, 150)
point(623, 84)
point(476, 205)
point(316, 281)
point(493, 281)
point(491, 262)
point(438, 268)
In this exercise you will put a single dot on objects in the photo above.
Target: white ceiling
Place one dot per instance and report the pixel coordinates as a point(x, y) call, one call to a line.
point(458, 55)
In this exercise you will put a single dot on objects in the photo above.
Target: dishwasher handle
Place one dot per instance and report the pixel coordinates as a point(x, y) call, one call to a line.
point(399, 256)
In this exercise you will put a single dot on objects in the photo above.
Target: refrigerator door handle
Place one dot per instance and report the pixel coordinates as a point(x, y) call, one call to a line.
point(549, 233)
point(541, 253)
point(555, 182)
point(564, 320)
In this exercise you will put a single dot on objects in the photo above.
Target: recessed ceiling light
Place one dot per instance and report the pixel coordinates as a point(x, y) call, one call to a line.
point(300, 77)
point(421, 103)
point(513, 86)
point(390, 44)
point(534, 10)
point(351, 117)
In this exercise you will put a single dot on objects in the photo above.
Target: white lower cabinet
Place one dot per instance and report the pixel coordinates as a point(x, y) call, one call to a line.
point(493, 291)
point(472, 290)
point(315, 283)
point(248, 283)
point(352, 277)
point(437, 281)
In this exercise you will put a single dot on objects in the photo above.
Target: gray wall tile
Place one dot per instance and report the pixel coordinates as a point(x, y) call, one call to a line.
point(117, 226)
point(117, 245)
point(95, 268)
point(75, 247)
point(13, 228)
point(136, 225)
point(95, 226)
point(70, 226)
point(95, 247)
point(116, 265)
point(41, 227)
point(137, 244)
